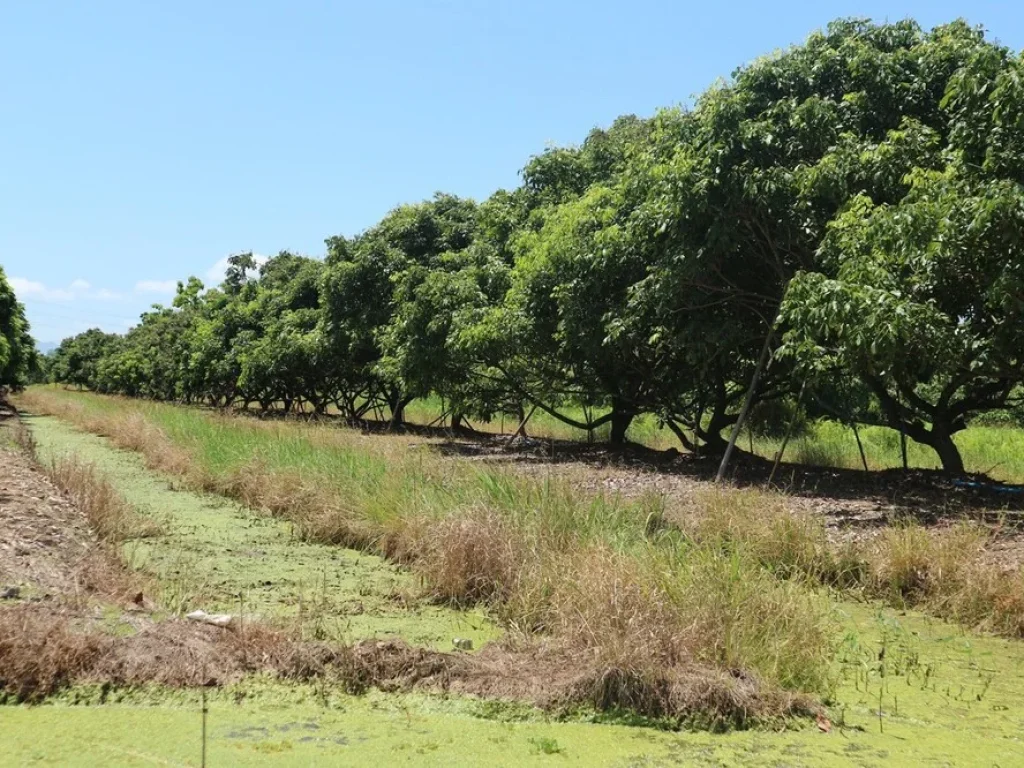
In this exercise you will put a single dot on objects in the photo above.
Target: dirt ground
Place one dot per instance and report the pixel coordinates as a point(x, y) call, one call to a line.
point(68, 608)
point(46, 541)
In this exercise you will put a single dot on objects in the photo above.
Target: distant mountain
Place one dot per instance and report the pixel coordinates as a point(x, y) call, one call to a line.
point(45, 347)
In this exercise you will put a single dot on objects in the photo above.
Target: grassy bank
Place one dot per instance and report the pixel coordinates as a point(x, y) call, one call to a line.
point(208, 552)
point(934, 694)
point(654, 606)
point(658, 618)
point(487, 536)
point(939, 697)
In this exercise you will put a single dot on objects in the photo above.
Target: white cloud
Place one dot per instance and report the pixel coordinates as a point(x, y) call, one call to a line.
point(78, 289)
point(215, 275)
point(24, 288)
point(156, 286)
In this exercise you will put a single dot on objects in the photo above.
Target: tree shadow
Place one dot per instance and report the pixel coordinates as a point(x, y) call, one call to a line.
point(927, 495)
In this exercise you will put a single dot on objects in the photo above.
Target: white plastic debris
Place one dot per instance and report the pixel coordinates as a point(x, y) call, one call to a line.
point(216, 619)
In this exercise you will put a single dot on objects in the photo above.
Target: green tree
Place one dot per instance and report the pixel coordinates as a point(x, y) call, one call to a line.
point(76, 362)
point(17, 348)
point(359, 288)
point(923, 301)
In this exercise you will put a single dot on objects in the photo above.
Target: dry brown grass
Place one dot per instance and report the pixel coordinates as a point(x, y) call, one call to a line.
point(761, 524)
point(942, 570)
point(101, 572)
point(130, 431)
point(913, 564)
point(43, 650)
point(318, 515)
point(109, 514)
point(470, 557)
point(40, 653)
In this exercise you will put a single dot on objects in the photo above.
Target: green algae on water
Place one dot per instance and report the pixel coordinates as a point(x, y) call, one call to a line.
point(215, 551)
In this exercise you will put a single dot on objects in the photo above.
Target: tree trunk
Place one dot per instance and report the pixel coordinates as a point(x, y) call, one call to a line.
point(747, 402)
point(622, 417)
point(714, 443)
point(942, 442)
point(398, 404)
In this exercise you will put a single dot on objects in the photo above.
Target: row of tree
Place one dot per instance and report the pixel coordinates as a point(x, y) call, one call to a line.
point(17, 348)
point(841, 222)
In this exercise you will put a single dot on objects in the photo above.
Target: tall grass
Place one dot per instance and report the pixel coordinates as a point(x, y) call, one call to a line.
point(731, 585)
point(108, 513)
point(941, 570)
point(997, 451)
point(635, 601)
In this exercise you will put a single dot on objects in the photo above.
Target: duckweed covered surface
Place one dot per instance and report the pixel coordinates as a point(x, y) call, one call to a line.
point(908, 690)
point(233, 559)
point(947, 699)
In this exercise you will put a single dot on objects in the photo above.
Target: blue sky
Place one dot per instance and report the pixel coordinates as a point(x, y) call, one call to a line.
point(142, 142)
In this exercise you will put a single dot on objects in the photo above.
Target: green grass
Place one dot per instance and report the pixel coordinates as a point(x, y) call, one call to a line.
point(997, 451)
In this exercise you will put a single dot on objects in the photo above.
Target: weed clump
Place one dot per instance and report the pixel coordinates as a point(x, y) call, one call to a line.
point(40, 653)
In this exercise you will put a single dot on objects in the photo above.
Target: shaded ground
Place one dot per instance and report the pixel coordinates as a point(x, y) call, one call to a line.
point(855, 504)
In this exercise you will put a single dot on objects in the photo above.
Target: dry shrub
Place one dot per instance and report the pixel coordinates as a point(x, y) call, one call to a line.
point(469, 557)
point(103, 574)
point(394, 665)
point(317, 514)
point(111, 517)
point(787, 542)
point(945, 571)
point(911, 563)
point(942, 570)
point(698, 696)
point(677, 636)
point(109, 514)
point(992, 598)
point(23, 437)
point(40, 653)
point(606, 602)
point(134, 432)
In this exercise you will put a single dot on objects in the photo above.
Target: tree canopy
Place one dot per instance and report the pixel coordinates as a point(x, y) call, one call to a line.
point(17, 349)
point(842, 216)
